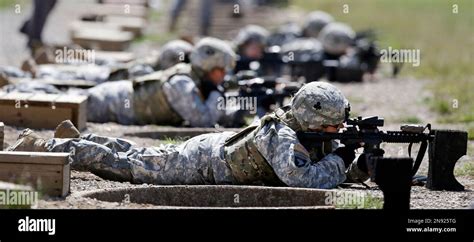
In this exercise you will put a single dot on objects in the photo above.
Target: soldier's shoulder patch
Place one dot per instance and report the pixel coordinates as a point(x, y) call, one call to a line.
point(301, 155)
point(300, 161)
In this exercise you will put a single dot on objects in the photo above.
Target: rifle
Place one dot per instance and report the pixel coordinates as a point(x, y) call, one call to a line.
point(312, 65)
point(351, 67)
point(394, 175)
point(270, 63)
point(315, 63)
point(269, 91)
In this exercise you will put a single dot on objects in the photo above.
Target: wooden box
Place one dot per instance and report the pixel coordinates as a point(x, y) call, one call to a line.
point(42, 110)
point(47, 172)
point(102, 39)
point(135, 25)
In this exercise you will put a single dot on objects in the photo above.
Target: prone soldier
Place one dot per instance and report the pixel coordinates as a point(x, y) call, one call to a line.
point(265, 153)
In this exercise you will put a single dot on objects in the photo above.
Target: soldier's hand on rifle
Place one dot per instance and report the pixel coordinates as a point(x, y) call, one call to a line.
point(346, 153)
point(362, 163)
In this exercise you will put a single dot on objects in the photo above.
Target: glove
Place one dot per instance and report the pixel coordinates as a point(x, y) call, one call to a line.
point(346, 153)
point(361, 161)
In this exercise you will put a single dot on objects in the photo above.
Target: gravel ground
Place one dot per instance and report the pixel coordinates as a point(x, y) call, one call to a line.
point(397, 100)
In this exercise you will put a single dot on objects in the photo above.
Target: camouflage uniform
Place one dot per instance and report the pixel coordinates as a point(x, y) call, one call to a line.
point(201, 160)
point(196, 161)
point(173, 96)
point(89, 72)
point(267, 153)
point(111, 102)
point(123, 103)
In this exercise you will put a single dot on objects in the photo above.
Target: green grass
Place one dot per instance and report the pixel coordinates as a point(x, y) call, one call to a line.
point(11, 3)
point(161, 38)
point(445, 39)
point(411, 120)
point(7, 3)
point(467, 169)
point(175, 141)
point(370, 202)
point(454, 103)
point(356, 99)
point(470, 131)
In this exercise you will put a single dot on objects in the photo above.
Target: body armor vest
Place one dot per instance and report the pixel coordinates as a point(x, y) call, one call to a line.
point(247, 164)
point(149, 101)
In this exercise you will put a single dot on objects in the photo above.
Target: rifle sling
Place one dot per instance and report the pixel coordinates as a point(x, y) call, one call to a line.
point(409, 149)
point(419, 156)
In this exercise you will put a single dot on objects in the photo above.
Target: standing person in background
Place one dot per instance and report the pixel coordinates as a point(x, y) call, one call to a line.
point(205, 15)
point(33, 27)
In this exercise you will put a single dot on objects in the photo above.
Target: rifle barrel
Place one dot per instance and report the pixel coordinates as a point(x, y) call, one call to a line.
point(382, 136)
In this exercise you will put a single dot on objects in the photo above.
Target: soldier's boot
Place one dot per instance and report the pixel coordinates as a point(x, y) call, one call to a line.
point(29, 141)
point(66, 129)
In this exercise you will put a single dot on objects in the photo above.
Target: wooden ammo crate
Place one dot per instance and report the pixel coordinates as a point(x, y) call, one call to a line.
point(96, 25)
point(135, 25)
point(46, 172)
point(42, 110)
point(102, 39)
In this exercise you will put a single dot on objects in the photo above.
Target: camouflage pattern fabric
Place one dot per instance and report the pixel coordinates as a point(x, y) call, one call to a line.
point(200, 160)
point(89, 72)
point(196, 161)
point(318, 103)
point(291, 161)
point(210, 53)
point(111, 102)
point(185, 98)
point(29, 86)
